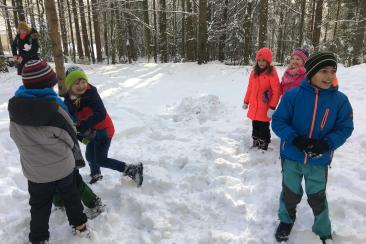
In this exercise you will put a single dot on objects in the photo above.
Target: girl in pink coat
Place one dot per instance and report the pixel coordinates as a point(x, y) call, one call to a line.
point(262, 95)
point(295, 72)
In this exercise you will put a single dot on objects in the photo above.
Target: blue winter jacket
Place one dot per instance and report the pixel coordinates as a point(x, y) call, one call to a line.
point(315, 113)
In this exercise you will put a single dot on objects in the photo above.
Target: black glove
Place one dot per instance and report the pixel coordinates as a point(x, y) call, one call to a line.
point(317, 147)
point(301, 142)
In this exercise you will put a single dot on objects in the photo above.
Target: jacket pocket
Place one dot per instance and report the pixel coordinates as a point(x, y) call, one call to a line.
point(324, 120)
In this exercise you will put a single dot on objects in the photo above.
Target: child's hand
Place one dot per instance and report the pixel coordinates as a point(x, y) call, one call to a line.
point(301, 142)
point(245, 106)
point(270, 112)
point(316, 148)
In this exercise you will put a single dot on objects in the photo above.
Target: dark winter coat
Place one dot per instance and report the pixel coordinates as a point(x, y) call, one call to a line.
point(318, 114)
point(89, 112)
point(31, 40)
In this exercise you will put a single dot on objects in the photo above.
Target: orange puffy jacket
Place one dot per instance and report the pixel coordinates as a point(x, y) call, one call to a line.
point(263, 92)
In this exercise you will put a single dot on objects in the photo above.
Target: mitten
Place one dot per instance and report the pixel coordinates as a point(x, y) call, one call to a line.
point(301, 142)
point(270, 112)
point(317, 147)
point(245, 106)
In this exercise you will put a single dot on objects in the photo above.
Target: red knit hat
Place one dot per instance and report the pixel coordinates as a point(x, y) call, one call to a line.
point(37, 74)
point(264, 53)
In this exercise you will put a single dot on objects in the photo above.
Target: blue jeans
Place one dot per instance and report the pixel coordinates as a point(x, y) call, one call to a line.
point(97, 154)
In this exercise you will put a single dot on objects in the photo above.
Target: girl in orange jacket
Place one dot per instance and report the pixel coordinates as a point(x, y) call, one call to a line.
point(262, 95)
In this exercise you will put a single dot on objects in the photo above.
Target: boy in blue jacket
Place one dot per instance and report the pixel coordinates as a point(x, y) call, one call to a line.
point(312, 120)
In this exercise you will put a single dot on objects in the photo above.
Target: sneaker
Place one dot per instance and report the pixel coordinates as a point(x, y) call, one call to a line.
point(95, 178)
point(99, 208)
point(82, 233)
point(135, 172)
point(327, 240)
point(283, 231)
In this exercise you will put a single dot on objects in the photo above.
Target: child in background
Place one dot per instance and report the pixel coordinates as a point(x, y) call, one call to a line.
point(94, 126)
point(262, 95)
point(295, 71)
point(312, 120)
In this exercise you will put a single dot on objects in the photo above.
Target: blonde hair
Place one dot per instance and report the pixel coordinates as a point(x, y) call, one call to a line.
point(23, 26)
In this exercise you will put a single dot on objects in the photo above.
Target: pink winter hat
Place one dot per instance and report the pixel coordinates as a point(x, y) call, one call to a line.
point(301, 52)
point(264, 53)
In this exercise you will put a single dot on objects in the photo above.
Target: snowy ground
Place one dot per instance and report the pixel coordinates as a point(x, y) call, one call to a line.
point(202, 182)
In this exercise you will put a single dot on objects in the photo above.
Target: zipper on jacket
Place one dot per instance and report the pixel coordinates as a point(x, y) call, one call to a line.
point(324, 120)
point(313, 121)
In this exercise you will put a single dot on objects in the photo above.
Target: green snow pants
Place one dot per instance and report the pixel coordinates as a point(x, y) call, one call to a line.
point(315, 186)
point(87, 195)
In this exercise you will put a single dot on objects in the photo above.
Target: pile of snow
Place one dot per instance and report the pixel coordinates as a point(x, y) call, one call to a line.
point(203, 108)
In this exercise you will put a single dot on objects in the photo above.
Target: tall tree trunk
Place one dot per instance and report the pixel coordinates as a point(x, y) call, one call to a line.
point(155, 33)
point(98, 43)
point(31, 12)
point(301, 26)
point(77, 29)
point(223, 35)
point(202, 32)
point(163, 33)
point(311, 20)
point(84, 30)
point(147, 29)
point(90, 33)
point(106, 48)
point(3, 67)
point(183, 48)
point(247, 32)
point(191, 35)
point(71, 31)
point(336, 19)
point(20, 10)
point(61, 12)
point(8, 26)
point(280, 37)
point(317, 24)
point(15, 13)
point(56, 43)
point(263, 19)
point(112, 34)
point(359, 37)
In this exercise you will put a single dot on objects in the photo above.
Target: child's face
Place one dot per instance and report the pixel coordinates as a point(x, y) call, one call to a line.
point(262, 63)
point(296, 61)
point(323, 78)
point(79, 87)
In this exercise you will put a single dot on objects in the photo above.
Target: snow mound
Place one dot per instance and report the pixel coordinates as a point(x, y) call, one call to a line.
point(203, 108)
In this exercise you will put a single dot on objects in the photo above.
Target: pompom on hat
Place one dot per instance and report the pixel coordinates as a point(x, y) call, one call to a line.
point(301, 52)
point(37, 74)
point(264, 53)
point(73, 74)
point(318, 61)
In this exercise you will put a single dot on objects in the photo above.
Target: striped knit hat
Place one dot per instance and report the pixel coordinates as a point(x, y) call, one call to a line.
point(318, 61)
point(301, 52)
point(37, 74)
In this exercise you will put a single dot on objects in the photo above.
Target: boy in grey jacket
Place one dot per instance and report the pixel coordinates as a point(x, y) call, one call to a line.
point(44, 134)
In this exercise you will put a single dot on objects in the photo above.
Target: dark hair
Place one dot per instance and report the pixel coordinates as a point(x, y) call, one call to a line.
point(258, 70)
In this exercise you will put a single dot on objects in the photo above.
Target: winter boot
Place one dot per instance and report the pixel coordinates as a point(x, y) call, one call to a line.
point(135, 172)
point(262, 144)
point(41, 242)
point(255, 142)
point(327, 240)
point(283, 231)
point(83, 232)
point(99, 207)
point(95, 178)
